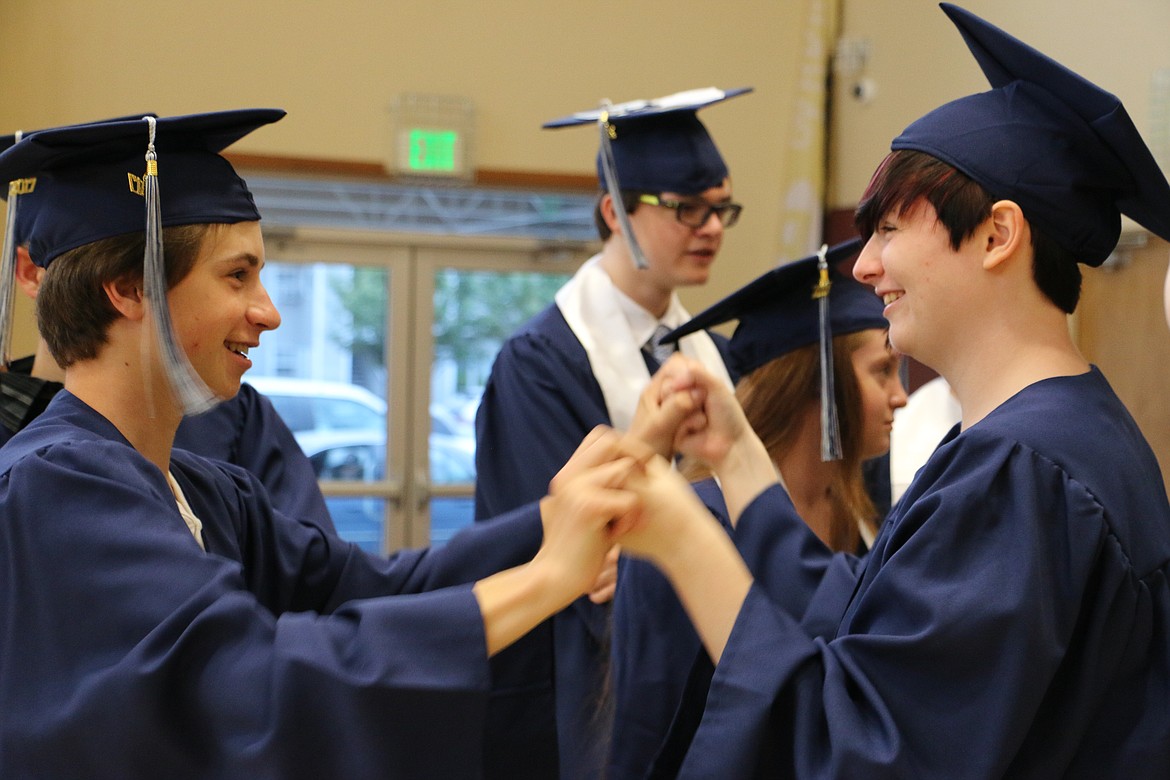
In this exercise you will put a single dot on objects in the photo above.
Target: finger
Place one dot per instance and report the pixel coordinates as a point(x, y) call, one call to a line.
point(632, 446)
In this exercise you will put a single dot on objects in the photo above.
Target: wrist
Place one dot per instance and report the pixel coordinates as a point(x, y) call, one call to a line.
point(745, 472)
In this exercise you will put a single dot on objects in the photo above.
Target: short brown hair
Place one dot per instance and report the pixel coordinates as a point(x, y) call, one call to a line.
point(73, 311)
point(630, 201)
point(905, 177)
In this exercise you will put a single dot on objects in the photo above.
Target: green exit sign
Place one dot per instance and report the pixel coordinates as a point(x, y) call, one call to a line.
point(433, 151)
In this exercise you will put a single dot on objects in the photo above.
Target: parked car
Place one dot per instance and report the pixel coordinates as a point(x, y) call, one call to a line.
point(342, 430)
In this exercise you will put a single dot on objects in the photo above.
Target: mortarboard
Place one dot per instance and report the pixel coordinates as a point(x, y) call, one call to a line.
point(655, 146)
point(18, 222)
point(107, 179)
point(1045, 137)
point(790, 307)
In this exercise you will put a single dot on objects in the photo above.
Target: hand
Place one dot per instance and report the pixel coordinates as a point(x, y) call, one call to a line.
point(668, 511)
point(585, 498)
point(710, 433)
point(606, 582)
point(671, 400)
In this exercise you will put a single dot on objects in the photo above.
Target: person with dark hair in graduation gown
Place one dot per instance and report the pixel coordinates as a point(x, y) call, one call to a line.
point(666, 200)
point(1013, 616)
point(778, 349)
point(159, 618)
point(245, 429)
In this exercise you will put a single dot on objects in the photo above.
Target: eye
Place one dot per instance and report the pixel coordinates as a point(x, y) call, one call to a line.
point(691, 212)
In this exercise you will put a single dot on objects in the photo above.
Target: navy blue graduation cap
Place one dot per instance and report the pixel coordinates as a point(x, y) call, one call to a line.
point(21, 210)
point(1045, 137)
point(107, 179)
point(655, 146)
point(794, 305)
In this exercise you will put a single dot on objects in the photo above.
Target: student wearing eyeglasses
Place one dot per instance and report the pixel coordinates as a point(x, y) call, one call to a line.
point(665, 203)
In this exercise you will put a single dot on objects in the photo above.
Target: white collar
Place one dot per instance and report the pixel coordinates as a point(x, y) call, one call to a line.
point(642, 323)
point(594, 309)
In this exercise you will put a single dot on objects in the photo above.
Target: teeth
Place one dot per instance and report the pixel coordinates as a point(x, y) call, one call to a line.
point(239, 349)
point(889, 298)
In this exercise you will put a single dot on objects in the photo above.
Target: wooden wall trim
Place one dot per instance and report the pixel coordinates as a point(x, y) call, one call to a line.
point(484, 177)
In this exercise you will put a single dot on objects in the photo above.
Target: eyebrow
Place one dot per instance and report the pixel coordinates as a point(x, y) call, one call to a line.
point(247, 257)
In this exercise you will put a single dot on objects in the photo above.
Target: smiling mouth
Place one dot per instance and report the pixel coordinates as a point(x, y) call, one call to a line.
point(890, 297)
point(239, 349)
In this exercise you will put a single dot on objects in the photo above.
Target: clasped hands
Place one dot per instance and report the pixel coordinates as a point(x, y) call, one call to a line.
point(621, 489)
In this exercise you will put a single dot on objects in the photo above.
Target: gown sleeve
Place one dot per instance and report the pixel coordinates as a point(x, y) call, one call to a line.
point(988, 568)
point(149, 657)
point(661, 672)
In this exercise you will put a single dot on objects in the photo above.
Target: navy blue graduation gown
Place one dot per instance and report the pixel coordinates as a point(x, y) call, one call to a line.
point(127, 651)
point(1012, 619)
point(660, 670)
point(247, 430)
point(540, 401)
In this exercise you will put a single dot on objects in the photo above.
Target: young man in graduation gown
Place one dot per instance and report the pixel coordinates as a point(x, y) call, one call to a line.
point(245, 429)
point(159, 618)
point(666, 200)
point(1013, 616)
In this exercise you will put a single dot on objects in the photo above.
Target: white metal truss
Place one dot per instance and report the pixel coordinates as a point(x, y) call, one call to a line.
point(450, 210)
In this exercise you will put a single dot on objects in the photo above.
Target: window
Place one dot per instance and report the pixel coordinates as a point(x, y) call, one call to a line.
point(385, 345)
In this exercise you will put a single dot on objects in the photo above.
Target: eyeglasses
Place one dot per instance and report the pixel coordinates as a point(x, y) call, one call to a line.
point(695, 213)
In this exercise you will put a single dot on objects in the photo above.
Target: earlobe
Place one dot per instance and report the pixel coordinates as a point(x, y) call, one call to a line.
point(1007, 232)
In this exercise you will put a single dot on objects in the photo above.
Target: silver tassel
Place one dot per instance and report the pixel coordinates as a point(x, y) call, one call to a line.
point(8, 276)
point(190, 391)
point(830, 426)
point(609, 172)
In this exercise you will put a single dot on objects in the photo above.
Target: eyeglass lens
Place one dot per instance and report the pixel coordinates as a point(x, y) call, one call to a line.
point(696, 214)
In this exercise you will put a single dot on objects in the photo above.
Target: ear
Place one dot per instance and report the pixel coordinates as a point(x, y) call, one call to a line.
point(1007, 233)
point(609, 214)
point(126, 296)
point(28, 274)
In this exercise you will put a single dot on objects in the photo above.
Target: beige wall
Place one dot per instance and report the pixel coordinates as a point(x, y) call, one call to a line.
point(335, 66)
point(918, 61)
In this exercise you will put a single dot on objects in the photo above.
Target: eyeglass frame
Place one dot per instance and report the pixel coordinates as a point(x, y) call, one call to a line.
point(733, 210)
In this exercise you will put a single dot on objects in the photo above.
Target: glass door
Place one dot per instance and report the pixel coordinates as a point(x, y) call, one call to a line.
point(380, 362)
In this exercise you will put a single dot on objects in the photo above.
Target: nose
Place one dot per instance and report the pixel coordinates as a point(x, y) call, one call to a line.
point(898, 395)
point(262, 311)
point(868, 267)
point(712, 225)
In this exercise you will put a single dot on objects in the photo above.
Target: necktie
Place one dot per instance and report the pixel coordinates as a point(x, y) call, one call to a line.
point(656, 349)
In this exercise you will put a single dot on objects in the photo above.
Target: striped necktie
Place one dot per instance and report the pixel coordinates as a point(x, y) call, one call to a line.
point(654, 347)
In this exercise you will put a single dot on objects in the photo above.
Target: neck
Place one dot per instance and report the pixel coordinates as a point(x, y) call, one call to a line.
point(140, 405)
point(639, 284)
point(45, 366)
point(808, 477)
point(1000, 363)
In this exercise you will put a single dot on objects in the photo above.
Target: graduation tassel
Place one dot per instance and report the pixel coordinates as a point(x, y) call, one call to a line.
point(830, 427)
point(8, 270)
point(609, 172)
point(192, 394)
